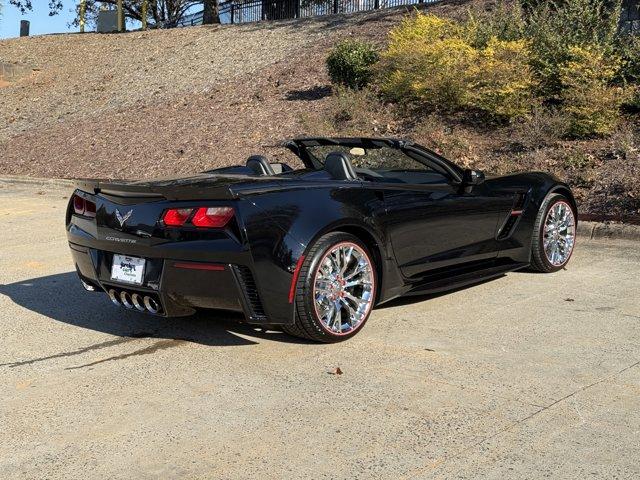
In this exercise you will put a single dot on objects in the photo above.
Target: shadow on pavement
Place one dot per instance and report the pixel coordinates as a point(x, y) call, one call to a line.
point(62, 298)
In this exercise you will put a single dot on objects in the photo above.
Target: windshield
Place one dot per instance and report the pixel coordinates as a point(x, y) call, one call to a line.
point(381, 163)
point(368, 158)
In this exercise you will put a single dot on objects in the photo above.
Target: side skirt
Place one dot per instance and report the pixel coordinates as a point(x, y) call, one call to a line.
point(450, 279)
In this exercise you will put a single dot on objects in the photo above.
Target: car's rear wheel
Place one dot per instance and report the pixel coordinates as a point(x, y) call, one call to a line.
point(554, 234)
point(336, 289)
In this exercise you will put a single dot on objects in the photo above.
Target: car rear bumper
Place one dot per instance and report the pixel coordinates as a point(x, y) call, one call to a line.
point(179, 286)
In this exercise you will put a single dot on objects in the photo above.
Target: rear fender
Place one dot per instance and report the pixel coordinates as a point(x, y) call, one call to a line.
point(282, 227)
point(275, 255)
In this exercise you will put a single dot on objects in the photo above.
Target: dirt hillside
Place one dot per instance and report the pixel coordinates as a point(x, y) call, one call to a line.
point(158, 103)
point(163, 102)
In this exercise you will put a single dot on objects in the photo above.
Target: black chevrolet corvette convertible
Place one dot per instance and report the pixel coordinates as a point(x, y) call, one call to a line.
point(312, 250)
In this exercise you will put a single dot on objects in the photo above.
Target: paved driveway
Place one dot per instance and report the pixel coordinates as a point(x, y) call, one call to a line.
point(527, 376)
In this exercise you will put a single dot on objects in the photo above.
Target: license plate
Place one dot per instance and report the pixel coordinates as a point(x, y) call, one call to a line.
point(127, 269)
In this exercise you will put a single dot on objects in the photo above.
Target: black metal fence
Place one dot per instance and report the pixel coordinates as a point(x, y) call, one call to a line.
point(258, 10)
point(190, 20)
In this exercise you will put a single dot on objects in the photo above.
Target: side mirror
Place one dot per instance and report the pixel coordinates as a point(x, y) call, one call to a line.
point(473, 177)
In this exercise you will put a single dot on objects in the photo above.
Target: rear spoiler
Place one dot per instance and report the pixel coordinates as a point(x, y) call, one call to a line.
point(205, 186)
point(210, 188)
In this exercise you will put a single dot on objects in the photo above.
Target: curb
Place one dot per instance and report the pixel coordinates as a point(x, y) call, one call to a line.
point(52, 182)
point(588, 229)
point(609, 230)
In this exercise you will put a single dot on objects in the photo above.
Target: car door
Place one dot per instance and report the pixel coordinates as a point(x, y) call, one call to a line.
point(437, 225)
point(432, 220)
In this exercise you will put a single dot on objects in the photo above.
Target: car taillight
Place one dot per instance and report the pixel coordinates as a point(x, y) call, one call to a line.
point(89, 208)
point(204, 217)
point(212, 217)
point(84, 207)
point(78, 205)
point(176, 217)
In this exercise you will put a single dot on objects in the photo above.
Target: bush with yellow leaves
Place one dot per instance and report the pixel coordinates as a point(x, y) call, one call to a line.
point(426, 61)
point(430, 60)
point(502, 81)
point(589, 101)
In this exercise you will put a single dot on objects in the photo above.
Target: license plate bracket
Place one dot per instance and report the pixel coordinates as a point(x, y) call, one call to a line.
point(128, 269)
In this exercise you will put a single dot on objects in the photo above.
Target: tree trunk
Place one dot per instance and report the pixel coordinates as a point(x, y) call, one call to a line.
point(211, 13)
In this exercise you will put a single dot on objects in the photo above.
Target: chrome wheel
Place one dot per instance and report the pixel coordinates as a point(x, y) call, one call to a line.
point(343, 288)
point(559, 233)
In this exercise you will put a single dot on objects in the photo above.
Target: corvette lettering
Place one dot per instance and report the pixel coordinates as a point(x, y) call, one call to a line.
point(120, 240)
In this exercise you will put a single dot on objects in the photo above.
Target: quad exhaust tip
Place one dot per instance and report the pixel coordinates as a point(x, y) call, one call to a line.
point(114, 297)
point(137, 300)
point(151, 304)
point(125, 298)
point(134, 300)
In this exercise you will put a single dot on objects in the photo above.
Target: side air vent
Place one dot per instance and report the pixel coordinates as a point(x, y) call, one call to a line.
point(514, 215)
point(250, 292)
point(518, 203)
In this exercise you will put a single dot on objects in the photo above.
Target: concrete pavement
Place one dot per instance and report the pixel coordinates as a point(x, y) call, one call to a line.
point(527, 376)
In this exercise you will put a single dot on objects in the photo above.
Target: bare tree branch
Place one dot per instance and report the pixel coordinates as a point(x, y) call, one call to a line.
point(160, 12)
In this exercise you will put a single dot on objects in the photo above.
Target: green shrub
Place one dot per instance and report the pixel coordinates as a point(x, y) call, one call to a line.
point(554, 30)
point(529, 5)
point(629, 51)
point(589, 101)
point(506, 21)
point(350, 63)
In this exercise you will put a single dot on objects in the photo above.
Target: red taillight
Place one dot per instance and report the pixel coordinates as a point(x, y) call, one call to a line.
point(78, 205)
point(212, 217)
point(204, 217)
point(83, 207)
point(176, 217)
point(89, 208)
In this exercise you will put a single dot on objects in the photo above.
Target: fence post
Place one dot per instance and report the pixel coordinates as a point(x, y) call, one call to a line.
point(335, 6)
point(232, 12)
point(376, 5)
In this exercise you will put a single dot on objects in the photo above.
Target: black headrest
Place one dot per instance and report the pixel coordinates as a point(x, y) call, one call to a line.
point(260, 165)
point(339, 166)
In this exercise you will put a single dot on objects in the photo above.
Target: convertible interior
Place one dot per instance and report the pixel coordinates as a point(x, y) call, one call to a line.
point(340, 162)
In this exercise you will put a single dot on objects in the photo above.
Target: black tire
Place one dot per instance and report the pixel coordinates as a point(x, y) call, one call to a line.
point(539, 260)
point(308, 325)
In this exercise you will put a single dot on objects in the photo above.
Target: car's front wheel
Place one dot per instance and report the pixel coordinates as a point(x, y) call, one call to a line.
point(554, 234)
point(335, 290)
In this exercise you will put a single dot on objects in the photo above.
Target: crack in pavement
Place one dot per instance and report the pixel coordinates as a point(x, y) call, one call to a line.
point(160, 345)
point(420, 470)
point(97, 346)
